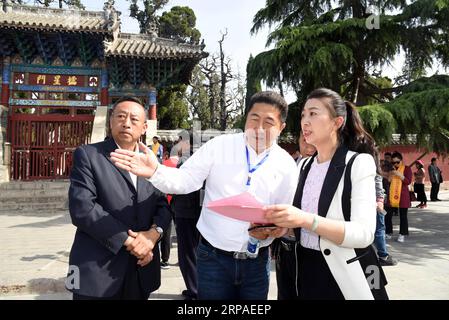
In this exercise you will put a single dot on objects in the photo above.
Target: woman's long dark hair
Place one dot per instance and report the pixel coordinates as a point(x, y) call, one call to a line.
point(352, 133)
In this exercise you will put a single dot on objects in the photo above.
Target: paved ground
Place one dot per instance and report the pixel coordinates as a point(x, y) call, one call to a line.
point(33, 259)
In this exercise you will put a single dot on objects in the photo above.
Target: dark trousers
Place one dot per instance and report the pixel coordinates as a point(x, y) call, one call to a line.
point(166, 244)
point(286, 269)
point(316, 281)
point(403, 224)
point(434, 191)
point(420, 192)
point(187, 239)
point(389, 219)
point(130, 289)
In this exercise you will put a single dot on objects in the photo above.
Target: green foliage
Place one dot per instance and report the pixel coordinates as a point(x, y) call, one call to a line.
point(428, 83)
point(423, 113)
point(327, 43)
point(288, 12)
point(421, 110)
point(72, 3)
point(146, 16)
point(172, 108)
point(179, 24)
point(252, 81)
point(379, 122)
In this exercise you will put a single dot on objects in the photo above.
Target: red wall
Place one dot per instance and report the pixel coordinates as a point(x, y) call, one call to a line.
point(410, 154)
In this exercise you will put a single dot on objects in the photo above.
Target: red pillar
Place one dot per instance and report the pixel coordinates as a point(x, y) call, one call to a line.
point(5, 83)
point(5, 94)
point(152, 111)
point(104, 97)
point(104, 93)
point(152, 114)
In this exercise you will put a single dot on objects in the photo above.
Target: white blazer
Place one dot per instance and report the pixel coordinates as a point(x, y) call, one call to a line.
point(359, 232)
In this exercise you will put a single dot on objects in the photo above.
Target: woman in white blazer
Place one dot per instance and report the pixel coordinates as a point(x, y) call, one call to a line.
point(329, 266)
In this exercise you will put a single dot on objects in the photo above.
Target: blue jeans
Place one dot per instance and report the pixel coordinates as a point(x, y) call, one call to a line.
point(379, 236)
point(221, 277)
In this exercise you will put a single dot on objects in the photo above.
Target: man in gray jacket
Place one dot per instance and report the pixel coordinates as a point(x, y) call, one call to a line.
point(435, 178)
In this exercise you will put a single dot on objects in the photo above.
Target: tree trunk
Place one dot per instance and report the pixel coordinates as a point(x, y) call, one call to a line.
point(357, 95)
point(212, 107)
point(419, 158)
point(281, 89)
point(222, 86)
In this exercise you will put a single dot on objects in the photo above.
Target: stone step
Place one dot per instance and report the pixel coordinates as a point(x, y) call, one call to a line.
point(36, 198)
point(41, 199)
point(33, 207)
point(33, 193)
point(42, 213)
point(35, 185)
point(3, 173)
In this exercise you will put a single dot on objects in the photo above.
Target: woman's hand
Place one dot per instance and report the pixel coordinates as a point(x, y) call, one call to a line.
point(285, 216)
point(398, 174)
point(142, 164)
point(380, 205)
point(258, 233)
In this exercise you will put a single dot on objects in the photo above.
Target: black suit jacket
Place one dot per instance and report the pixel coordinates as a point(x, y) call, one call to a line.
point(104, 205)
point(187, 206)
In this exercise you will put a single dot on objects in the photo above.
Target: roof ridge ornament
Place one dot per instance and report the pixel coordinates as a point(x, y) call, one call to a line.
point(152, 27)
point(112, 17)
point(7, 6)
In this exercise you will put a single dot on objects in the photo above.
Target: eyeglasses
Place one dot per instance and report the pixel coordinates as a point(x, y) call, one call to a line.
point(396, 162)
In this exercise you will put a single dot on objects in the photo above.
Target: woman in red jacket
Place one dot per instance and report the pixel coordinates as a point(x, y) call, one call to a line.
point(399, 196)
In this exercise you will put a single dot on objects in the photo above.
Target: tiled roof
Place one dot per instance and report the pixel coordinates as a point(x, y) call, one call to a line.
point(13, 16)
point(39, 18)
point(147, 46)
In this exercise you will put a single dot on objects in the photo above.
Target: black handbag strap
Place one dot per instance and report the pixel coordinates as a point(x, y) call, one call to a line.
point(366, 256)
point(347, 189)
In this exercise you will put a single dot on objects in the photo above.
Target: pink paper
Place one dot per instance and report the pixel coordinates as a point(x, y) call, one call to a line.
point(242, 207)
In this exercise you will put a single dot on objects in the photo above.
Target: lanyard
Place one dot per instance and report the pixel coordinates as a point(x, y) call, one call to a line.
point(251, 170)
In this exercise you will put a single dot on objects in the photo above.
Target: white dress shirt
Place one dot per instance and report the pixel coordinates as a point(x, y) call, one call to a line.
point(222, 163)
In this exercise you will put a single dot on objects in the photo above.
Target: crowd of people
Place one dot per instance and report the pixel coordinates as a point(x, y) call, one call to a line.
point(329, 210)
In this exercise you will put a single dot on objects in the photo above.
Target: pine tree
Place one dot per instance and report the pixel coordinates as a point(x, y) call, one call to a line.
point(338, 44)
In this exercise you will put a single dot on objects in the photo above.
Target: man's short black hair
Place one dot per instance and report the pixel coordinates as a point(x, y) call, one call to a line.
point(271, 98)
point(131, 99)
point(433, 160)
point(387, 154)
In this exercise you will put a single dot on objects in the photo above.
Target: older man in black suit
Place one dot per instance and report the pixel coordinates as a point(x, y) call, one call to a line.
point(119, 217)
